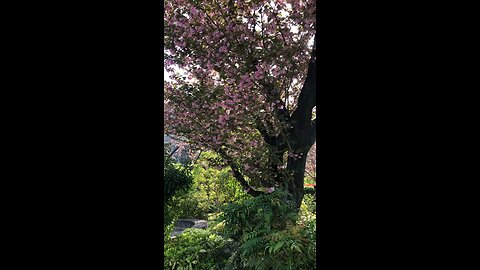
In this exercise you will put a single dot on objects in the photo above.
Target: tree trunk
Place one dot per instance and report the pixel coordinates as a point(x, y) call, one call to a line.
point(303, 133)
point(297, 140)
point(296, 189)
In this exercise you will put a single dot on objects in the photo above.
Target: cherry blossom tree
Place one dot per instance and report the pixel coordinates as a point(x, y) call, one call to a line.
point(243, 85)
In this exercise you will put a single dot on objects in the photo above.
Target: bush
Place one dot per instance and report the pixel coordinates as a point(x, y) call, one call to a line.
point(309, 201)
point(196, 249)
point(187, 205)
point(259, 230)
point(212, 187)
point(309, 190)
point(177, 179)
point(308, 222)
point(261, 213)
point(267, 228)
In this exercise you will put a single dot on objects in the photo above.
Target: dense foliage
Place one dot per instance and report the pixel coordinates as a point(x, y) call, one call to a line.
point(213, 186)
point(252, 235)
point(268, 227)
point(196, 249)
point(177, 179)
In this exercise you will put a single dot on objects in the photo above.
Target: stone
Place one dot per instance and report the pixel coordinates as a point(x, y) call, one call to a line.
point(183, 224)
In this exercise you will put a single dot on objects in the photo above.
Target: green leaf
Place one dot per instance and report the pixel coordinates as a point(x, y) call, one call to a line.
point(277, 246)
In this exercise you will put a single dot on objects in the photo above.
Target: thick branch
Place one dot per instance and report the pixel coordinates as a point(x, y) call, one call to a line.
point(263, 131)
point(307, 99)
point(282, 115)
point(238, 175)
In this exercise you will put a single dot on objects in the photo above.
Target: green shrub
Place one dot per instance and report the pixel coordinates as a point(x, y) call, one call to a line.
point(290, 248)
point(212, 187)
point(261, 213)
point(309, 190)
point(187, 205)
point(196, 249)
point(309, 201)
point(177, 179)
point(308, 222)
point(270, 234)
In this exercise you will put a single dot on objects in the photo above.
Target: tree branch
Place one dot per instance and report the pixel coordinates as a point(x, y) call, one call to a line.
point(173, 152)
point(311, 175)
point(263, 131)
point(307, 99)
point(238, 175)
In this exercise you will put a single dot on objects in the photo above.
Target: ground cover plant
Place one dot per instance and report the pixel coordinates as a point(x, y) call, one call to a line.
point(251, 234)
point(196, 249)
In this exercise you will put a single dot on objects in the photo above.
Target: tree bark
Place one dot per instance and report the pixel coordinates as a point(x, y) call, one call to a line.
point(296, 189)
